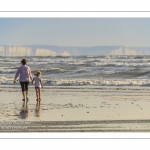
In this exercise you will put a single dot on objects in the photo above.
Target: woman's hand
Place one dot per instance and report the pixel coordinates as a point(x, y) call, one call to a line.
point(14, 81)
point(32, 81)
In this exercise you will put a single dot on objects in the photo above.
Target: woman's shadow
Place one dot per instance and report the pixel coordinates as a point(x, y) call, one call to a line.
point(24, 111)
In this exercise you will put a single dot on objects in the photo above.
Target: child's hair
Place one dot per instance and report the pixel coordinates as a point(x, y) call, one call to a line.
point(38, 73)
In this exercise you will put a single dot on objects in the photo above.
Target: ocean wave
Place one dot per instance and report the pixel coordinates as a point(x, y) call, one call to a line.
point(92, 69)
point(6, 80)
point(118, 64)
point(52, 70)
point(85, 82)
point(103, 61)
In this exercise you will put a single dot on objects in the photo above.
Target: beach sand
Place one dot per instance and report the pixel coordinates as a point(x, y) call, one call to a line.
point(76, 109)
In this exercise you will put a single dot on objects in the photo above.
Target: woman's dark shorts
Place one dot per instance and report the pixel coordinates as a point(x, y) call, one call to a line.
point(24, 86)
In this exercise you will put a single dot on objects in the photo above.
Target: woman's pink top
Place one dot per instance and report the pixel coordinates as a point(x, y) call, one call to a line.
point(24, 72)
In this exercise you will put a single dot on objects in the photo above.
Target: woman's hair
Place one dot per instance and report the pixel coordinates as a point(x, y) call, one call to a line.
point(38, 73)
point(23, 61)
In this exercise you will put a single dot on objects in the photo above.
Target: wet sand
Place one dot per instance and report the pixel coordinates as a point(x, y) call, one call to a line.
point(76, 109)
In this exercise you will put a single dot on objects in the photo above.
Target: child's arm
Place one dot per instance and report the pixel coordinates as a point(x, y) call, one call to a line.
point(41, 83)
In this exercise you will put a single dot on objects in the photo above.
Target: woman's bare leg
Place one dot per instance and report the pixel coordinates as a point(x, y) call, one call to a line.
point(26, 93)
point(23, 94)
point(25, 98)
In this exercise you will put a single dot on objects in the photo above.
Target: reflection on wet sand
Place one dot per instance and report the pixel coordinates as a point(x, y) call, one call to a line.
point(24, 111)
point(37, 110)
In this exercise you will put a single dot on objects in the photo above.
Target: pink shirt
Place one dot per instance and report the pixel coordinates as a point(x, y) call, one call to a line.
point(24, 72)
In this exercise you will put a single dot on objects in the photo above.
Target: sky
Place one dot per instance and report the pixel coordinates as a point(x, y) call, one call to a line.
point(75, 31)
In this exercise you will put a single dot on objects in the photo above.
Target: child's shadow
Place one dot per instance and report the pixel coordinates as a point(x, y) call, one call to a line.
point(37, 110)
point(24, 111)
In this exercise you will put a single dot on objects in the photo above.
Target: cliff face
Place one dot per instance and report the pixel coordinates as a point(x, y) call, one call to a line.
point(124, 51)
point(49, 50)
point(44, 52)
point(24, 51)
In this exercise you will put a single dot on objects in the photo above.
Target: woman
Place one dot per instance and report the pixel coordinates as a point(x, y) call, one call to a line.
point(25, 73)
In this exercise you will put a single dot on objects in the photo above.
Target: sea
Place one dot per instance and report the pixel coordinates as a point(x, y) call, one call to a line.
point(81, 70)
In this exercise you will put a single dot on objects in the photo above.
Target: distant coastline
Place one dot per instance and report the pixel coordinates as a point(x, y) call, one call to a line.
point(50, 50)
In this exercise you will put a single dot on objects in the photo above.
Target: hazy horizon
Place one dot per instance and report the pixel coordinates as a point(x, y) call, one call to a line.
point(76, 36)
point(128, 32)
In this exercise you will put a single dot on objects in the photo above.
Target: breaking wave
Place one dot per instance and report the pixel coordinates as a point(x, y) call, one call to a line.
point(82, 70)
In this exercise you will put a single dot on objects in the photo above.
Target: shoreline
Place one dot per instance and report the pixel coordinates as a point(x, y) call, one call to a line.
point(78, 126)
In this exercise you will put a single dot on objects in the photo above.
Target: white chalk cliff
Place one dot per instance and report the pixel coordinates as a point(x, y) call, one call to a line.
point(124, 51)
point(26, 51)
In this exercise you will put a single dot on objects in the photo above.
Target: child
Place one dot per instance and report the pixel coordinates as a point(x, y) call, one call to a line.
point(38, 84)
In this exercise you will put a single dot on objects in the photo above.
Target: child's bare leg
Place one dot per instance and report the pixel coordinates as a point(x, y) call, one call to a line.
point(36, 89)
point(39, 95)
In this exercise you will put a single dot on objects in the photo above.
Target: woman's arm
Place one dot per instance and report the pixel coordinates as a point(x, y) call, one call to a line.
point(16, 76)
point(30, 75)
point(32, 81)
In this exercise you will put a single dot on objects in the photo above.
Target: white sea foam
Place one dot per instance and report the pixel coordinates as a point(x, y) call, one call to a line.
point(92, 82)
point(82, 70)
point(104, 82)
